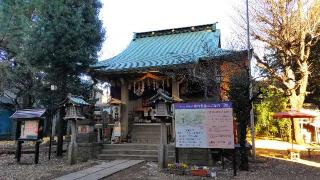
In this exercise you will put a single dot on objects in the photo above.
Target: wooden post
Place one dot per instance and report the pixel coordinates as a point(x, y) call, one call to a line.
point(222, 158)
point(177, 154)
point(60, 135)
point(36, 156)
point(18, 150)
point(50, 139)
point(124, 120)
point(234, 162)
point(73, 147)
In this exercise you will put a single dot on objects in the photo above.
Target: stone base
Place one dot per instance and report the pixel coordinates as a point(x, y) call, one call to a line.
point(88, 151)
point(72, 153)
point(86, 137)
point(195, 156)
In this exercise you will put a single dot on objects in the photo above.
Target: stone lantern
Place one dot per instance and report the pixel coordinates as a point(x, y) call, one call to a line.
point(74, 114)
point(162, 102)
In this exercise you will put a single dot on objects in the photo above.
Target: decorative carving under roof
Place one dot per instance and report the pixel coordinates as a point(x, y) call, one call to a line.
point(163, 95)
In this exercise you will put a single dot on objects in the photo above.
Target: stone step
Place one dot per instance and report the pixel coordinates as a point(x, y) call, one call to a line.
point(152, 133)
point(146, 136)
point(131, 146)
point(146, 132)
point(145, 140)
point(130, 152)
point(145, 127)
point(126, 156)
point(149, 140)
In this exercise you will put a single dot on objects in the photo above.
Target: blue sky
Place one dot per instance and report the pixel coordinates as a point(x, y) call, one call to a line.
point(121, 18)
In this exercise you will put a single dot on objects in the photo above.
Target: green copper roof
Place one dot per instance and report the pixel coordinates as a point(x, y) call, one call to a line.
point(78, 101)
point(75, 100)
point(167, 48)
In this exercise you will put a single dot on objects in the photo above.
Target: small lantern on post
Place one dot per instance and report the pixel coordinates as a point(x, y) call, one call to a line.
point(73, 108)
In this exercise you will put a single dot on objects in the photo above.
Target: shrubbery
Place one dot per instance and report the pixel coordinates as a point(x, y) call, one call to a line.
point(265, 124)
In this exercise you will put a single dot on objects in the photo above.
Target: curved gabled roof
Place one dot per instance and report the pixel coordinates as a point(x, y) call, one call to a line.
point(28, 114)
point(167, 48)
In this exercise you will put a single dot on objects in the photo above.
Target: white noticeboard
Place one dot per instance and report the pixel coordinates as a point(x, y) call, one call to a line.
point(204, 125)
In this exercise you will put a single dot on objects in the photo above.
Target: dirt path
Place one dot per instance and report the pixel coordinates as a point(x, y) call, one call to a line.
point(264, 168)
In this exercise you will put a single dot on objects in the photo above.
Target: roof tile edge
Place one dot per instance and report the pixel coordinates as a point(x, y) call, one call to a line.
point(205, 27)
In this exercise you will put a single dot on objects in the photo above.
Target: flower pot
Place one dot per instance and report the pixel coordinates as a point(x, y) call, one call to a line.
point(199, 172)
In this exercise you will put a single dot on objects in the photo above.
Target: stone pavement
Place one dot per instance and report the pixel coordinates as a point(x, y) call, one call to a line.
point(100, 171)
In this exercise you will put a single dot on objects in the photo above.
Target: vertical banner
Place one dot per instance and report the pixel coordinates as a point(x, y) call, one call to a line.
point(204, 125)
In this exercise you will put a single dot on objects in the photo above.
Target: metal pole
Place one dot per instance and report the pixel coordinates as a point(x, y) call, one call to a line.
point(51, 119)
point(250, 86)
point(292, 129)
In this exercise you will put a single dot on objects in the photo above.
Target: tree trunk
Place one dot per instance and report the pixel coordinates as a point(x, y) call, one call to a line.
point(61, 120)
point(296, 103)
point(244, 161)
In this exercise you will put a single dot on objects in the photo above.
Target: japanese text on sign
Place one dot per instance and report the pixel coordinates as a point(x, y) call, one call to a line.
point(204, 125)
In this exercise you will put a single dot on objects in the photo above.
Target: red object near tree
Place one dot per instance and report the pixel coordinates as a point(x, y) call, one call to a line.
point(200, 172)
point(292, 114)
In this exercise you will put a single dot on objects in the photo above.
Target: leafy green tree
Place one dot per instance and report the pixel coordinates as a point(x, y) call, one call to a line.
point(272, 101)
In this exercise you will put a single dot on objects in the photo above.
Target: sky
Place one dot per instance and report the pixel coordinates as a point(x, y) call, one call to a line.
point(121, 18)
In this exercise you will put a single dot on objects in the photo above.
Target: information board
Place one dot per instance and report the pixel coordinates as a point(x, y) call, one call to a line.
point(29, 129)
point(204, 125)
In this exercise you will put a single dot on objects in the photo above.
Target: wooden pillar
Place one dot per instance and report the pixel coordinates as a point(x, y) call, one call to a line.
point(175, 88)
point(124, 119)
point(18, 150)
point(36, 156)
point(175, 92)
point(60, 135)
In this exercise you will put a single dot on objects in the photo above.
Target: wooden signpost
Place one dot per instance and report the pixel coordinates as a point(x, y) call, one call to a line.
point(204, 125)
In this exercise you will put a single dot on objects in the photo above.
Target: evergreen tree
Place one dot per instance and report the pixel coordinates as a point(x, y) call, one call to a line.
point(16, 74)
point(65, 41)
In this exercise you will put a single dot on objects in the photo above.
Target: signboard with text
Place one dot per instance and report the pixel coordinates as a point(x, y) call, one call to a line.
point(204, 125)
point(29, 129)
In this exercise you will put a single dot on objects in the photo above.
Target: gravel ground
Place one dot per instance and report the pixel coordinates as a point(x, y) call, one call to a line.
point(26, 169)
point(264, 169)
